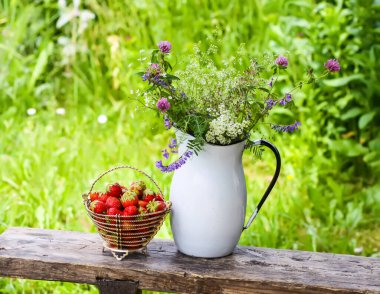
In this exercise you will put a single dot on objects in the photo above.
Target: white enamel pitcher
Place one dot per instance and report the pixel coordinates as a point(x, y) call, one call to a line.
point(209, 198)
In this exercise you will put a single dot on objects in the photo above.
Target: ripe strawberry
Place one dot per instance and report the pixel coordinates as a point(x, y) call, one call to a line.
point(149, 198)
point(129, 199)
point(155, 205)
point(149, 195)
point(138, 187)
point(94, 196)
point(115, 190)
point(98, 206)
point(130, 210)
point(114, 211)
point(143, 203)
point(142, 210)
point(113, 202)
point(159, 198)
point(104, 197)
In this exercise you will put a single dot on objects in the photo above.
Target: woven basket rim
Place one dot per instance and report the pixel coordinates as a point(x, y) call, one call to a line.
point(129, 217)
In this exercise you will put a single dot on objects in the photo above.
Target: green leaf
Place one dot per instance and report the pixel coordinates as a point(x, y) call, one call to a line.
point(371, 156)
point(167, 65)
point(40, 65)
point(353, 112)
point(339, 82)
point(374, 144)
point(365, 119)
point(349, 148)
point(171, 77)
point(154, 58)
point(151, 89)
point(264, 89)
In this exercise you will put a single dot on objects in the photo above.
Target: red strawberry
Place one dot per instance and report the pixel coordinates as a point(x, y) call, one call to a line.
point(142, 210)
point(129, 199)
point(149, 198)
point(159, 198)
point(148, 195)
point(130, 210)
point(94, 196)
point(114, 211)
point(104, 197)
point(155, 205)
point(115, 190)
point(143, 203)
point(138, 187)
point(113, 202)
point(98, 206)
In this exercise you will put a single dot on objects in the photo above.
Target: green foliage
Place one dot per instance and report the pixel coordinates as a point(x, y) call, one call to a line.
point(327, 197)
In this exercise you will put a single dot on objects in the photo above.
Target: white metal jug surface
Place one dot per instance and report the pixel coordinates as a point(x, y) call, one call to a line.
point(209, 197)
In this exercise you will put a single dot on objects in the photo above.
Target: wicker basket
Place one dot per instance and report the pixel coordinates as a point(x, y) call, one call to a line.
point(123, 234)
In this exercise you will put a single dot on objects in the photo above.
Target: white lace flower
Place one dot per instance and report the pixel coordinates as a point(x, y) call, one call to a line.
point(225, 129)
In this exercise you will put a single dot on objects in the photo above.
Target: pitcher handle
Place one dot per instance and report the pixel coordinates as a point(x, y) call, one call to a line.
point(273, 181)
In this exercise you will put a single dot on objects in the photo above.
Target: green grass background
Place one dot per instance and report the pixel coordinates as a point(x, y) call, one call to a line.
point(327, 198)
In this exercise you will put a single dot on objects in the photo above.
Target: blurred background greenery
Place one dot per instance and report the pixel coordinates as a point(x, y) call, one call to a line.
point(61, 68)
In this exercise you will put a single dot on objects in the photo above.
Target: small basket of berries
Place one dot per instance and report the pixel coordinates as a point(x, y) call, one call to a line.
point(127, 218)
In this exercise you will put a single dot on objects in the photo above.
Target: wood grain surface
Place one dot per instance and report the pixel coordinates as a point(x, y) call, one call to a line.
point(78, 257)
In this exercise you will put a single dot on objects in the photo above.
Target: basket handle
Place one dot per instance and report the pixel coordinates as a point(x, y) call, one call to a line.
point(128, 167)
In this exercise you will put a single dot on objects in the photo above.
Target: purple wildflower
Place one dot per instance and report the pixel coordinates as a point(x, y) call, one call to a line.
point(145, 76)
point(173, 144)
point(155, 66)
point(270, 104)
point(168, 124)
point(183, 95)
point(162, 167)
point(165, 153)
point(152, 72)
point(159, 82)
point(286, 129)
point(282, 61)
point(176, 164)
point(286, 99)
point(271, 83)
point(332, 65)
point(165, 47)
point(163, 104)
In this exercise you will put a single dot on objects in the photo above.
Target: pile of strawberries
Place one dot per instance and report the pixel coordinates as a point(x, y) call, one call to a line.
point(131, 201)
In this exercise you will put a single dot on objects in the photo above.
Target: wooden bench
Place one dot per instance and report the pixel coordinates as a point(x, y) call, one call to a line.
point(78, 257)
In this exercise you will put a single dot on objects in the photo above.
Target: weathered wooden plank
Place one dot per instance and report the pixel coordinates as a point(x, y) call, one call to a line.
point(117, 287)
point(77, 257)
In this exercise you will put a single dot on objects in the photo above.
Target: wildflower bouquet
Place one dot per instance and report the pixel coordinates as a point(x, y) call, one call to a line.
point(218, 105)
